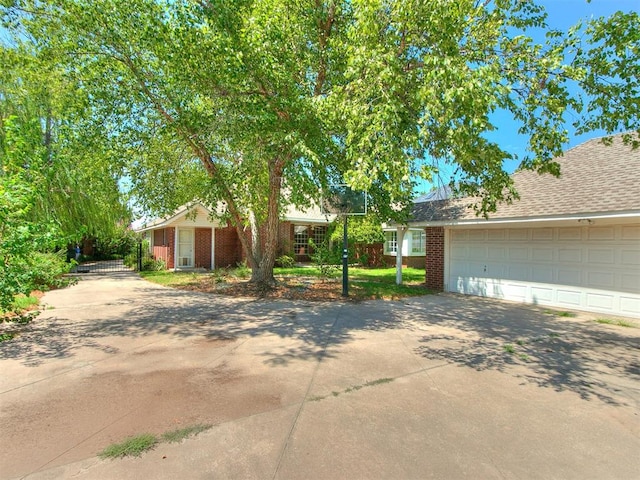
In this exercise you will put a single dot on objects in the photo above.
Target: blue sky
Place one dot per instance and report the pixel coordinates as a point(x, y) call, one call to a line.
point(563, 14)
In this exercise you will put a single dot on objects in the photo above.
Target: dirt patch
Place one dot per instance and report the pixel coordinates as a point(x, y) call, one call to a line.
point(80, 420)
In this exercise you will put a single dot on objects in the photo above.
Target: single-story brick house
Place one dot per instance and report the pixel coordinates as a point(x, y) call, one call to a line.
point(569, 242)
point(191, 238)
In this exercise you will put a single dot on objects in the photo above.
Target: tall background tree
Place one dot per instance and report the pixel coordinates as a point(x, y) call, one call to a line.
point(254, 105)
point(55, 186)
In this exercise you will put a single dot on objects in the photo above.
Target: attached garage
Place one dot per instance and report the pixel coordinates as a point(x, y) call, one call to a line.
point(586, 268)
point(570, 242)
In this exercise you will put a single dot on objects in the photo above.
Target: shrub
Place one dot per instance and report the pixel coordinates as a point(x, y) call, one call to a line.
point(285, 261)
point(150, 264)
point(47, 270)
point(327, 260)
point(242, 270)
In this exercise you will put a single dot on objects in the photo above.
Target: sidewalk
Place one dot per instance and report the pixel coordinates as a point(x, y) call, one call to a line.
point(431, 387)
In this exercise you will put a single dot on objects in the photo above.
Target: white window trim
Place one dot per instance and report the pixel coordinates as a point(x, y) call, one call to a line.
point(390, 237)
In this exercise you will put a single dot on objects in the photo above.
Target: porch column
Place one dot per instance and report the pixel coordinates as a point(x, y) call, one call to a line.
point(175, 249)
point(213, 248)
point(399, 241)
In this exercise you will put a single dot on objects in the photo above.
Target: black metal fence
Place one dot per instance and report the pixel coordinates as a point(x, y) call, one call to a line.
point(133, 261)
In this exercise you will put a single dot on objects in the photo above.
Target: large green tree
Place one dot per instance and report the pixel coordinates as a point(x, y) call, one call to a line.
point(253, 105)
point(53, 191)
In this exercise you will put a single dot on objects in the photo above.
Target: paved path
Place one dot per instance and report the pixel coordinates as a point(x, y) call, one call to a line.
point(433, 387)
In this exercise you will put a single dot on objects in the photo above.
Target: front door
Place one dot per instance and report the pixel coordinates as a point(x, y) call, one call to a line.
point(185, 247)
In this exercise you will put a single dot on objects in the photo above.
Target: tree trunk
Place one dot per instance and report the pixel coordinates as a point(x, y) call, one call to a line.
point(262, 273)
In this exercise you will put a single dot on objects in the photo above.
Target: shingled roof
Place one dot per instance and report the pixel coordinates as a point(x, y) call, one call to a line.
point(595, 179)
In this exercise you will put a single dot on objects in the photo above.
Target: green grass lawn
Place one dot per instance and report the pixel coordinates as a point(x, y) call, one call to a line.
point(364, 283)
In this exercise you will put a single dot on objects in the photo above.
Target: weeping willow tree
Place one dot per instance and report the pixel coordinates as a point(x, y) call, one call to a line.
point(55, 185)
point(44, 140)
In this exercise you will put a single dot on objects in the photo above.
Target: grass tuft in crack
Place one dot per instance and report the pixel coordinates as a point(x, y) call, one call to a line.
point(617, 322)
point(175, 436)
point(131, 447)
point(136, 446)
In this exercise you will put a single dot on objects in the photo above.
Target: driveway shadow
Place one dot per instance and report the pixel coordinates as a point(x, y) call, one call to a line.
point(565, 354)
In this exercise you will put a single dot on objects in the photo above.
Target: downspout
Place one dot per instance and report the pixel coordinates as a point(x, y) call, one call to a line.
point(399, 241)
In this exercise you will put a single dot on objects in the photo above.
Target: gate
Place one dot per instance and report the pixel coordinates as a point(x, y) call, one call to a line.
point(133, 261)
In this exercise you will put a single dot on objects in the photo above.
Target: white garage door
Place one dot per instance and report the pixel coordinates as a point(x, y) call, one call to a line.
point(587, 268)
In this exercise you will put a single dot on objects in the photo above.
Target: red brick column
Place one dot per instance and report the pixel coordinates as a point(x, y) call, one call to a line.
point(171, 244)
point(435, 258)
point(203, 248)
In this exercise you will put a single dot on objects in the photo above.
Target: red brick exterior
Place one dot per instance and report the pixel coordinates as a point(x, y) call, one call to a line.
point(285, 239)
point(202, 251)
point(413, 261)
point(435, 258)
point(228, 250)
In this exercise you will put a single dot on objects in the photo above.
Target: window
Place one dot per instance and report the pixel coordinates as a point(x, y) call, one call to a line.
point(391, 243)
point(319, 233)
point(300, 240)
point(418, 241)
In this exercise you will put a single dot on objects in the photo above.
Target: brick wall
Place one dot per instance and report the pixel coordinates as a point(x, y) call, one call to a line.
point(202, 248)
point(435, 258)
point(413, 261)
point(285, 239)
point(170, 238)
point(228, 250)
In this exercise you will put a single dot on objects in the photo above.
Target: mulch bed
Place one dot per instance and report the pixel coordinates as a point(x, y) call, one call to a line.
point(311, 289)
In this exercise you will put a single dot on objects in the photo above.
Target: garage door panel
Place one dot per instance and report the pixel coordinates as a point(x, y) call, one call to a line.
point(514, 291)
point(569, 277)
point(518, 234)
point(600, 301)
point(477, 252)
point(630, 282)
point(630, 257)
point(571, 234)
point(630, 232)
point(542, 294)
point(542, 274)
point(601, 255)
point(600, 279)
point(544, 254)
point(542, 234)
point(570, 255)
point(569, 297)
point(601, 233)
point(518, 254)
point(592, 268)
point(518, 272)
point(477, 235)
point(459, 252)
point(629, 305)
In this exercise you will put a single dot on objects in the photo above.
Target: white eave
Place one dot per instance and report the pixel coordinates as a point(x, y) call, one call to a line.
point(167, 221)
point(584, 219)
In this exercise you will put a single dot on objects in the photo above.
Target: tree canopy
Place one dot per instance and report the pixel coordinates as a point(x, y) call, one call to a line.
point(262, 103)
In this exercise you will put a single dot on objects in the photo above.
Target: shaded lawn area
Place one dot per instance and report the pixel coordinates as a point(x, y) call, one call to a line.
point(300, 283)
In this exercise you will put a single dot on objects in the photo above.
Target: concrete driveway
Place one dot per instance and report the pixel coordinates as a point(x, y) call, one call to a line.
point(433, 387)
